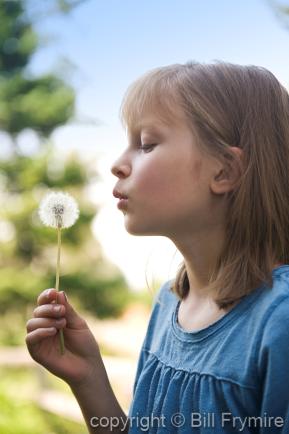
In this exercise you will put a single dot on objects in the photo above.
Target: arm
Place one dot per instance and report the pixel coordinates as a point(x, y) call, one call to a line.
point(81, 366)
point(107, 407)
point(102, 415)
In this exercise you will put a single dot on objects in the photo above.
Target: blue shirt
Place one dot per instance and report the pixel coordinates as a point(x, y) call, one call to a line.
point(230, 377)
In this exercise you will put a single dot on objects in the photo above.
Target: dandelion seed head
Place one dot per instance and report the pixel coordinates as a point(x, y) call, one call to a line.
point(58, 210)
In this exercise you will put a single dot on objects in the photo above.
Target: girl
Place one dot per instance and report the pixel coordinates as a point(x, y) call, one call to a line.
point(207, 166)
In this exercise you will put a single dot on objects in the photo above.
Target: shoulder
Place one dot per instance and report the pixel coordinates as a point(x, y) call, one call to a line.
point(276, 325)
point(273, 302)
point(163, 306)
point(274, 310)
point(164, 295)
point(273, 352)
point(276, 321)
point(164, 301)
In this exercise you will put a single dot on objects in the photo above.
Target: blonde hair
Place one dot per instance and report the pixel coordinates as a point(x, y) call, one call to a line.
point(231, 105)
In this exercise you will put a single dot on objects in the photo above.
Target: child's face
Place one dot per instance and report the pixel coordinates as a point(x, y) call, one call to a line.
point(167, 185)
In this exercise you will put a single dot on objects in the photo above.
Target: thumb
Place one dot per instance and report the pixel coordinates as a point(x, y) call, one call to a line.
point(73, 320)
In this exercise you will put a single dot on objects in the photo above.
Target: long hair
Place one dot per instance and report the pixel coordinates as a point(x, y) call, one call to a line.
point(242, 106)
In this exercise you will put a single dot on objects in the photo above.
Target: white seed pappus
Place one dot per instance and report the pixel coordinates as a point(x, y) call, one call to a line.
point(58, 209)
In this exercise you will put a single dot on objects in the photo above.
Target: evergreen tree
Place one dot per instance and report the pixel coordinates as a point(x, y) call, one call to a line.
point(27, 249)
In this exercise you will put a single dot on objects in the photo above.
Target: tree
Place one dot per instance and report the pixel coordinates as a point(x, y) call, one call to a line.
point(281, 11)
point(41, 103)
point(28, 250)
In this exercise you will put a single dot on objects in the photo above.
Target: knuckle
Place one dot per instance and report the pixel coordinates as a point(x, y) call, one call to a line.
point(31, 325)
point(44, 295)
point(40, 296)
point(35, 312)
point(41, 311)
point(57, 310)
point(29, 341)
point(28, 325)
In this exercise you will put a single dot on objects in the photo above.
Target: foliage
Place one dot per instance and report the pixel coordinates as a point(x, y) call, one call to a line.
point(40, 104)
point(19, 415)
point(106, 298)
point(28, 259)
point(18, 41)
point(22, 417)
point(27, 248)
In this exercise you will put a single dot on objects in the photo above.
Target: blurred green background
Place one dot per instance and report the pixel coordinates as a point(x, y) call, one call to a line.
point(121, 40)
point(31, 399)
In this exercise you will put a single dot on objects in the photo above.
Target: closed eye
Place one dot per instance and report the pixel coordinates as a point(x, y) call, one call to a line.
point(147, 147)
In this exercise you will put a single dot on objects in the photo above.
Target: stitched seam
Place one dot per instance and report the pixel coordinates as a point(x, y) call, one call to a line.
point(229, 380)
point(218, 330)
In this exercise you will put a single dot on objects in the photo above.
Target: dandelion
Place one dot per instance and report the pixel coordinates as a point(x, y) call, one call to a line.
point(58, 210)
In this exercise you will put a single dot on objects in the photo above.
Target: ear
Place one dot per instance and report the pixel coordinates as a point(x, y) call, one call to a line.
point(228, 172)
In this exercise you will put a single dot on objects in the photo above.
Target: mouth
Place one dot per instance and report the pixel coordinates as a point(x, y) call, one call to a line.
point(119, 195)
point(122, 203)
point(123, 199)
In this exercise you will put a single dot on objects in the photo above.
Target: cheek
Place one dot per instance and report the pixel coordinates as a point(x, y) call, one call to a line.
point(166, 195)
point(172, 181)
point(155, 180)
point(195, 169)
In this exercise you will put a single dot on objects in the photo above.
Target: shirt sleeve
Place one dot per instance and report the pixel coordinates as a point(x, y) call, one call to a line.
point(273, 365)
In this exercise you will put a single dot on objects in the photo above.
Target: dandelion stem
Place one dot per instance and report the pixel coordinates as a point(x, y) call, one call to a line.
point(62, 348)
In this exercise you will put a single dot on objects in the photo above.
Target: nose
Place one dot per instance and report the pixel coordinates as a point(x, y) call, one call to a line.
point(120, 169)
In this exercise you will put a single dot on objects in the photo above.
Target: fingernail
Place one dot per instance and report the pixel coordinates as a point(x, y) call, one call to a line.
point(65, 296)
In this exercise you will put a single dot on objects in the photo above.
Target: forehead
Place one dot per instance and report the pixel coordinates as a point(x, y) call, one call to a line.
point(149, 124)
point(156, 121)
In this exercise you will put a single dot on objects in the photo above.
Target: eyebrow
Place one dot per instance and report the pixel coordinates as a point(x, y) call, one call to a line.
point(155, 127)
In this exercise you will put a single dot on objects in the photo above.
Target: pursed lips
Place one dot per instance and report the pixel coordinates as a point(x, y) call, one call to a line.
point(119, 195)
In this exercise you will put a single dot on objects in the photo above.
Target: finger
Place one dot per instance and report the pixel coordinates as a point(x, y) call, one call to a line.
point(74, 320)
point(38, 335)
point(47, 296)
point(36, 323)
point(49, 311)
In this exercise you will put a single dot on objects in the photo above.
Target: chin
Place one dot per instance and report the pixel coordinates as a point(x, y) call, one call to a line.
point(139, 230)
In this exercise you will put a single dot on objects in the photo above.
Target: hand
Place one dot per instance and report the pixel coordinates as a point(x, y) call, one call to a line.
point(81, 358)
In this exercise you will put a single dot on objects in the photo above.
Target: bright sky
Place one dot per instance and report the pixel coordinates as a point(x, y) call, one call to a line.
point(111, 43)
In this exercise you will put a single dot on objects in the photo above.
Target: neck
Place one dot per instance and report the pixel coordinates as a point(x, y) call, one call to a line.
point(200, 253)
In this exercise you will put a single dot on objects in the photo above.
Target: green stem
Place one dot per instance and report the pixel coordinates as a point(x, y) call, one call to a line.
point(61, 337)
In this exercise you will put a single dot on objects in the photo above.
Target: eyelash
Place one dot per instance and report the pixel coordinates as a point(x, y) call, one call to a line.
point(146, 147)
